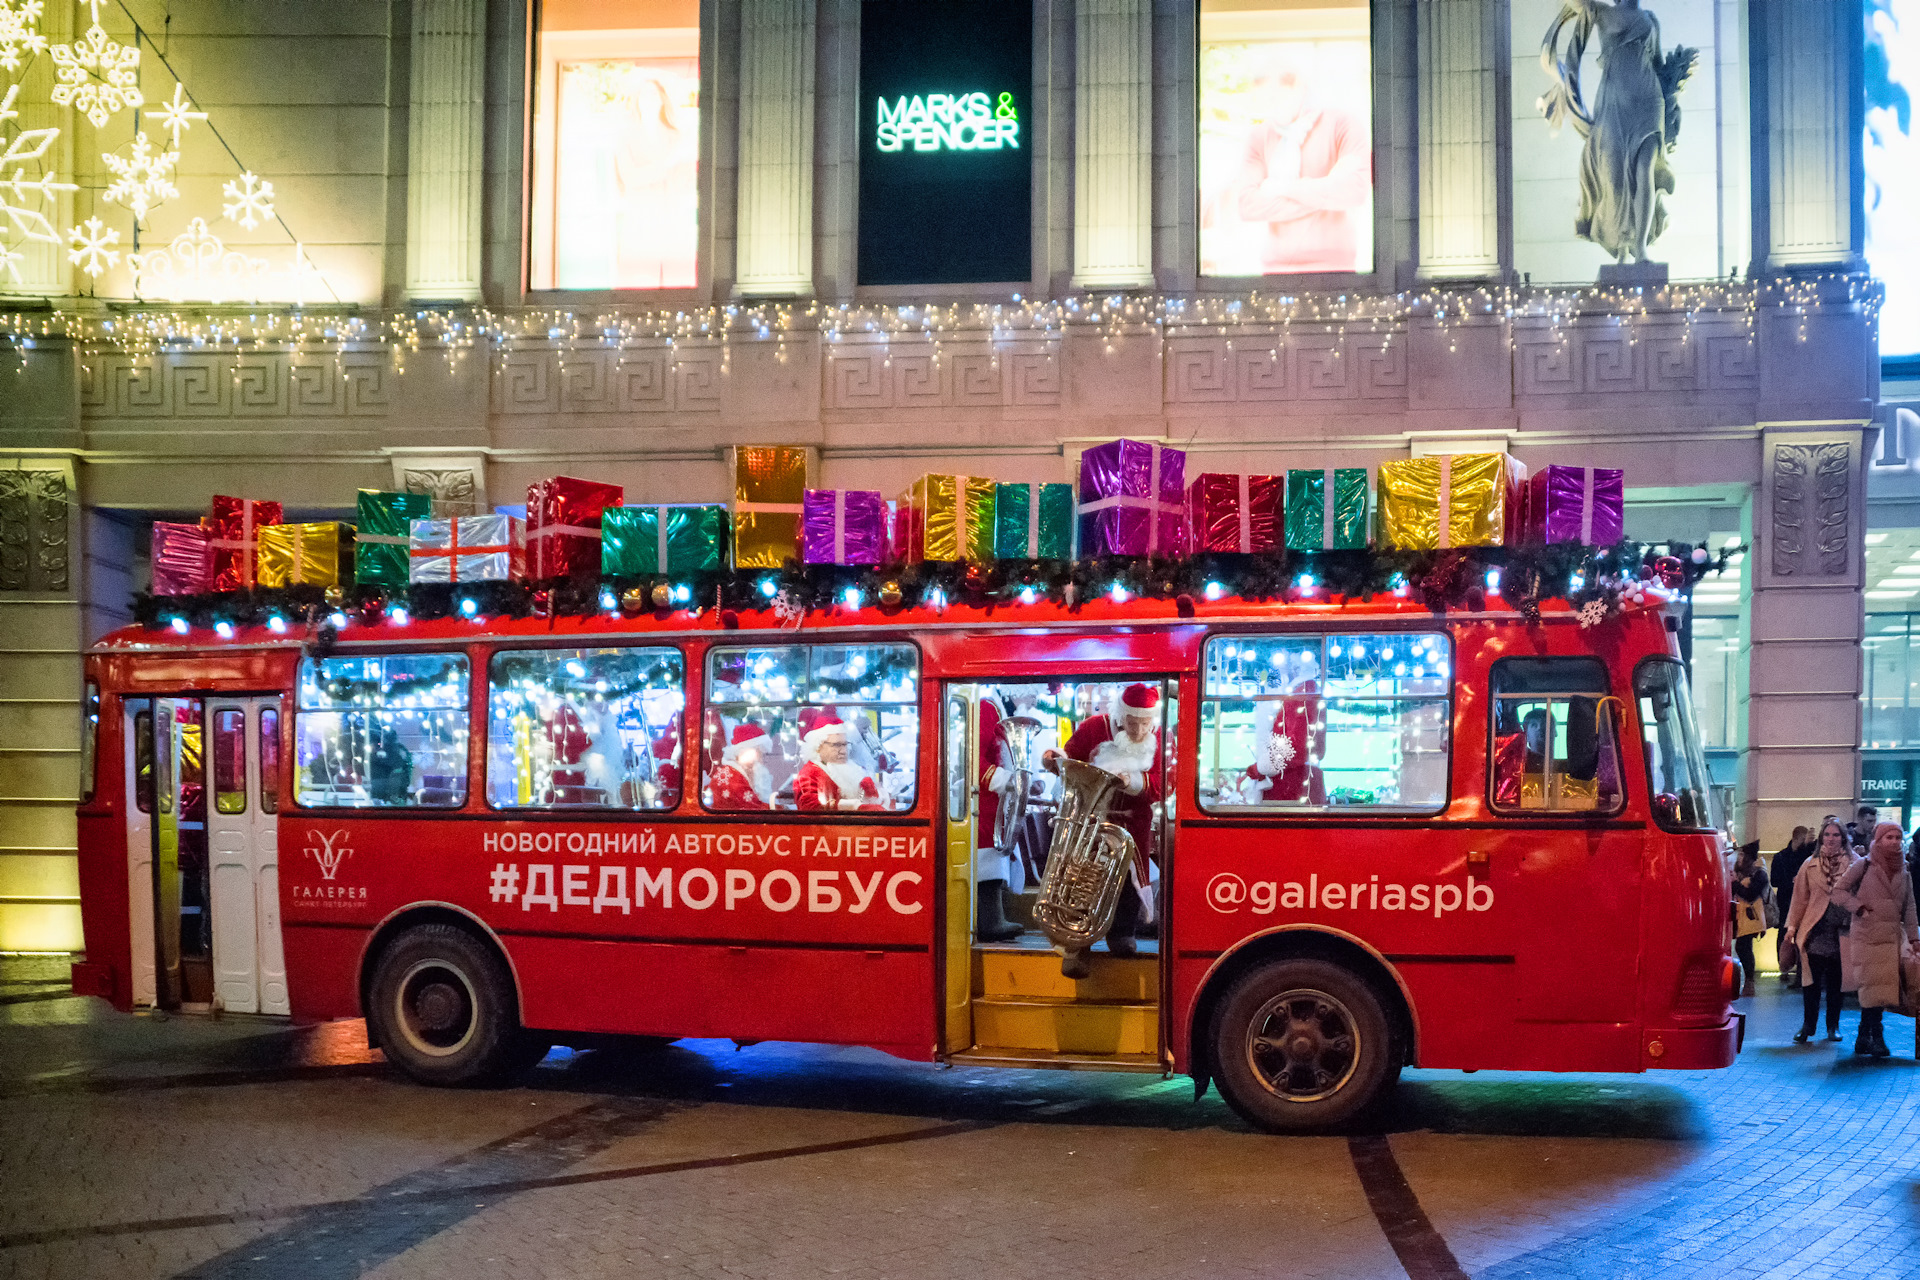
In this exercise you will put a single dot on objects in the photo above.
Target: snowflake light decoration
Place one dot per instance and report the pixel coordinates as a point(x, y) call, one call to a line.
point(17, 35)
point(10, 260)
point(140, 178)
point(1279, 753)
point(198, 264)
point(177, 114)
point(251, 200)
point(118, 68)
point(28, 144)
point(1592, 613)
point(93, 252)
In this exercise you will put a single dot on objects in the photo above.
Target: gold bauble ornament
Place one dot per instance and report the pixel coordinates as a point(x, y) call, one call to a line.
point(633, 600)
point(336, 595)
point(890, 593)
point(662, 595)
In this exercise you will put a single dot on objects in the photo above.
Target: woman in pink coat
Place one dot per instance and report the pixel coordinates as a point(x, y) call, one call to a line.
point(1879, 893)
point(1820, 934)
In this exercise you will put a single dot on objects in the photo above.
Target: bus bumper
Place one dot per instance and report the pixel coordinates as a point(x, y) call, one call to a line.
point(1693, 1048)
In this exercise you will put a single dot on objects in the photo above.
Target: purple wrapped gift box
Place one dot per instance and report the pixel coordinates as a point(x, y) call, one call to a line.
point(1578, 504)
point(1132, 500)
point(843, 526)
point(182, 559)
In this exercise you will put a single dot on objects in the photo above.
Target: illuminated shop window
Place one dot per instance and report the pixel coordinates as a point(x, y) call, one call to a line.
point(1292, 723)
point(616, 145)
point(382, 731)
point(1286, 138)
point(1555, 745)
point(585, 728)
point(1891, 158)
point(803, 727)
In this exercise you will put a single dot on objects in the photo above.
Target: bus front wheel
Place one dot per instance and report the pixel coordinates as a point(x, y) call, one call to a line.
point(1301, 1045)
point(442, 1005)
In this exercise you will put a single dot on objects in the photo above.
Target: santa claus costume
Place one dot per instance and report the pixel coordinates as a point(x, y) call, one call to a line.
point(992, 865)
point(832, 784)
point(1102, 743)
point(742, 781)
point(1286, 765)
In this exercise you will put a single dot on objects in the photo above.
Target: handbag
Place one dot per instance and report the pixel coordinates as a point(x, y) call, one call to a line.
point(1772, 907)
point(1788, 952)
point(1909, 982)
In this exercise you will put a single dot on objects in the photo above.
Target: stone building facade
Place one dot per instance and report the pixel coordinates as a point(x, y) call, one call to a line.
point(1741, 408)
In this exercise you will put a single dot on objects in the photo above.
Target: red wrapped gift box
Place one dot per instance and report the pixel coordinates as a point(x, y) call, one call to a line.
point(235, 524)
point(1233, 513)
point(563, 525)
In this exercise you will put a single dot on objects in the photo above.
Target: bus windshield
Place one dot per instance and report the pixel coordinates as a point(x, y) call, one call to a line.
point(1676, 771)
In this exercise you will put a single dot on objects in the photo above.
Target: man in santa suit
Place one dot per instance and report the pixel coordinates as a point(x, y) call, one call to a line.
point(1286, 765)
point(742, 781)
point(993, 866)
point(1131, 752)
point(828, 779)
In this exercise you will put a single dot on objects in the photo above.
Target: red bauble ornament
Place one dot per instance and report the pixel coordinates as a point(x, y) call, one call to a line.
point(371, 609)
point(1673, 574)
point(543, 603)
point(977, 577)
point(1646, 573)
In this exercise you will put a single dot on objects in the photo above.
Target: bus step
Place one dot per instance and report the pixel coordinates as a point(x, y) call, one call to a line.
point(1013, 973)
point(1037, 1060)
point(1066, 1026)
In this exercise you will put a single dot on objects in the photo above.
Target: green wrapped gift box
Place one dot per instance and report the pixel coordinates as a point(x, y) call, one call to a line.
point(1033, 522)
point(668, 538)
point(380, 547)
point(1327, 510)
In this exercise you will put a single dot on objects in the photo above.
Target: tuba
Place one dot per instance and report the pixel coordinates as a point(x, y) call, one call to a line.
point(1088, 861)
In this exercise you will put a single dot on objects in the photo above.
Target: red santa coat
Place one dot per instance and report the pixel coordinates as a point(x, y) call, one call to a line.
point(1134, 811)
point(732, 790)
point(1301, 778)
point(814, 788)
point(995, 753)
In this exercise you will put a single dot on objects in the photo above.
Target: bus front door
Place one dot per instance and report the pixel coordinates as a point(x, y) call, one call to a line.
point(243, 880)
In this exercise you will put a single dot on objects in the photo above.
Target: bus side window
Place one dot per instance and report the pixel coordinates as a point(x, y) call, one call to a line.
point(1554, 740)
point(585, 728)
point(812, 727)
point(143, 760)
point(230, 762)
point(269, 761)
point(382, 731)
point(1321, 722)
point(89, 740)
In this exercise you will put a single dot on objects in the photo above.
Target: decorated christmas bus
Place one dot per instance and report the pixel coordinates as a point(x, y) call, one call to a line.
point(1282, 841)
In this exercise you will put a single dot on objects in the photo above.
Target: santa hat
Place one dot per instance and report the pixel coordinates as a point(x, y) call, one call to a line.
point(824, 726)
point(746, 736)
point(1140, 700)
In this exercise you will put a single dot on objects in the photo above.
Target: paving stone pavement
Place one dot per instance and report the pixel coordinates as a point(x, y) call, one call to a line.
point(142, 1146)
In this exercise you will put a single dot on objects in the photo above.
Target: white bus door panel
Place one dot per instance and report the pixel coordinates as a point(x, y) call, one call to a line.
point(263, 772)
point(137, 716)
point(230, 806)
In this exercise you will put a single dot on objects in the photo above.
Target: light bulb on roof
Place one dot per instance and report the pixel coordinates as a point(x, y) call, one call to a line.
point(1027, 595)
point(179, 625)
point(1305, 583)
point(399, 616)
point(768, 588)
point(224, 630)
point(337, 619)
point(277, 625)
point(851, 596)
point(1215, 590)
point(1118, 594)
point(1493, 579)
point(469, 607)
point(607, 602)
point(681, 594)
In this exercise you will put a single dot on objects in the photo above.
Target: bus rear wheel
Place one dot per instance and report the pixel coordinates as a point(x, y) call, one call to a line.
point(1302, 1045)
point(442, 1005)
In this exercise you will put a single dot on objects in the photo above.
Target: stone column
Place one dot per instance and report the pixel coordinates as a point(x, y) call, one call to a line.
point(1806, 621)
point(1113, 145)
point(775, 224)
point(444, 155)
point(1463, 59)
point(1811, 96)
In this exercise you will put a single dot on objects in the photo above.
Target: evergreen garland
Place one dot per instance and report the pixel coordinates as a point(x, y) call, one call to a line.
point(1441, 580)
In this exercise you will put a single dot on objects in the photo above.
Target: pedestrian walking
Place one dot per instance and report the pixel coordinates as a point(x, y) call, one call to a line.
point(1749, 911)
point(1786, 866)
point(1879, 894)
point(1817, 930)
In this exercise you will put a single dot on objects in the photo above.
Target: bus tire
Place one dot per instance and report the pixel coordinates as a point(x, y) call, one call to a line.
point(1302, 1045)
point(442, 1003)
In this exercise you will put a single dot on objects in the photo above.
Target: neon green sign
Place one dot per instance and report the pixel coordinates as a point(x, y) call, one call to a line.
point(947, 122)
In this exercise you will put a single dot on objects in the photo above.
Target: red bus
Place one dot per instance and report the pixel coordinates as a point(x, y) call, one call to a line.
point(1378, 838)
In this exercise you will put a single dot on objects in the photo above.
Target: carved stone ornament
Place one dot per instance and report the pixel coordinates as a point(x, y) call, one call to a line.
point(1812, 500)
point(34, 507)
point(453, 490)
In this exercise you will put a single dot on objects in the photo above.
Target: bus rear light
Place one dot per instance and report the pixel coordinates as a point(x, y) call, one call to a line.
point(1703, 987)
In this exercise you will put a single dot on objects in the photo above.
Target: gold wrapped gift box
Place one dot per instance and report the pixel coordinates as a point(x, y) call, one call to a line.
point(313, 554)
point(1462, 500)
point(769, 485)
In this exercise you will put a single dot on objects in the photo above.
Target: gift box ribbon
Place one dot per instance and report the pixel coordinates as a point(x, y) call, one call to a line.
point(1446, 502)
point(453, 550)
point(840, 526)
point(1588, 481)
point(1246, 514)
point(1327, 506)
point(1155, 505)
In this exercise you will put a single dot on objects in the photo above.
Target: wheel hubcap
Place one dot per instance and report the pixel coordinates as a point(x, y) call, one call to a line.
point(436, 1008)
point(1303, 1045)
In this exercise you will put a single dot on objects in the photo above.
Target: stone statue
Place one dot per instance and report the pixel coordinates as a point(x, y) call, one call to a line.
point(1634, 123)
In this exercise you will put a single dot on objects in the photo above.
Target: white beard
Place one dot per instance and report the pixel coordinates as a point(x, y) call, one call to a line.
point(848, 777)
point(1121, 754)
point(760, 779)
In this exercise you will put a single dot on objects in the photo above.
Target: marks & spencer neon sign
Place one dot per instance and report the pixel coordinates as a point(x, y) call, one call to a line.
point(947, 122)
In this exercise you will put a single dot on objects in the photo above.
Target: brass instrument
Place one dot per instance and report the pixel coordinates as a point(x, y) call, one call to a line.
point(1088, 861)
point(1013, 801)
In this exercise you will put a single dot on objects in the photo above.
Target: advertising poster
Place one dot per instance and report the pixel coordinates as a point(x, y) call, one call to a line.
point(1286, 137)
point(617, 145)
point(946, 166)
